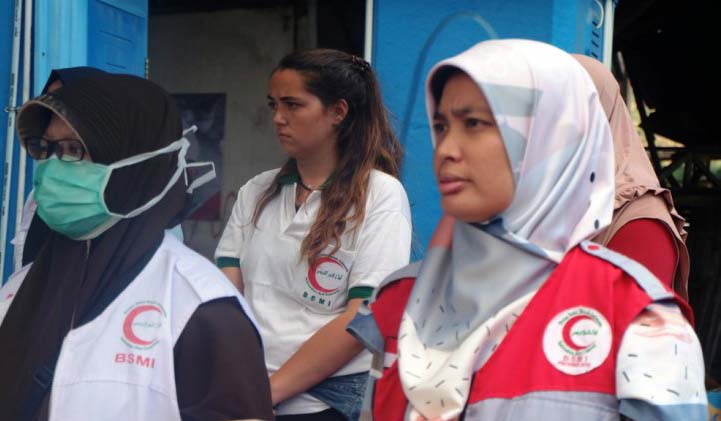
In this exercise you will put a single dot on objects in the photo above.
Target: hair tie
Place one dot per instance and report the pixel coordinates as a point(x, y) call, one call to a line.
point(361, 64)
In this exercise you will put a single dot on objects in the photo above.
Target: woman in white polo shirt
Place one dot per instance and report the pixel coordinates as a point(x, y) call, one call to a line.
point(308, 242)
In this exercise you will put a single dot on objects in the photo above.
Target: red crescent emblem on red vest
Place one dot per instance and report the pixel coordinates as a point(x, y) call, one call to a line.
point(577, 340)
point(566, 332)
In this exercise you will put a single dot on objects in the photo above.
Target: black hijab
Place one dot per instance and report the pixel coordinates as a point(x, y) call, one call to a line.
point(69, 75)
point(116, 116)
point(38, 230)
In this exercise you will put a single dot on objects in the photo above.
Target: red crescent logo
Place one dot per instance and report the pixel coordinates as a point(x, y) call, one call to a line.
point(577, 340)
point(314, 269)
point(130, 319)
point(566, 333)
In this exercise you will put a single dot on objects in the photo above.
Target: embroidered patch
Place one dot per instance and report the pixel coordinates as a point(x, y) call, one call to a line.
point(577, 340)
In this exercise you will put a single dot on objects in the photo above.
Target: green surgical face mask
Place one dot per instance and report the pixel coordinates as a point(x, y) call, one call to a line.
point(71, 195)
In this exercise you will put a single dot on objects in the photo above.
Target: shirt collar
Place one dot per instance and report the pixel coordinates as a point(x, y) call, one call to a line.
point(293, 177)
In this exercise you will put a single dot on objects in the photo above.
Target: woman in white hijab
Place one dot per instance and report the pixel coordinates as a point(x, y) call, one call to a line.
point(512, 314)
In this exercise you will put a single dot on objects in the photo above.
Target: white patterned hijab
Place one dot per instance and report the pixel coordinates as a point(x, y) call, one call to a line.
point(560, 149)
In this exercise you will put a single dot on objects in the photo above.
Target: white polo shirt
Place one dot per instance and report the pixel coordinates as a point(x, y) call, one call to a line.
point(291, 300)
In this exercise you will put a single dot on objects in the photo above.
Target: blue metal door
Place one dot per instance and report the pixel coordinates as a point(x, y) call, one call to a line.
point(108, 34)
point(118, 35)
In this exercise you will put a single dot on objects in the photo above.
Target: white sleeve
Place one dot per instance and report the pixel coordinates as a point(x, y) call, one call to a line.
point(29, 209)
point(384, 242)
point(660, 369)
point(233, 239)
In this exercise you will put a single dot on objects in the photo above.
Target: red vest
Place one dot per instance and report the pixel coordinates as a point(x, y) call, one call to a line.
point(519, 366)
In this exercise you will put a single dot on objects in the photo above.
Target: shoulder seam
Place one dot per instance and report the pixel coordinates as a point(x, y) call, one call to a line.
point(643, 277)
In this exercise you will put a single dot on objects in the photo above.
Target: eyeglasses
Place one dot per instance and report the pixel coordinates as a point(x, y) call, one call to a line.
point(68, 150)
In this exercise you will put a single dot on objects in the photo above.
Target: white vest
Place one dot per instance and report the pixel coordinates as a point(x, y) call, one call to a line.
point(120, 365)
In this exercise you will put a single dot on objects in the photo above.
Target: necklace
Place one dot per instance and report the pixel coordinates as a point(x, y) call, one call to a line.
point(299, 194)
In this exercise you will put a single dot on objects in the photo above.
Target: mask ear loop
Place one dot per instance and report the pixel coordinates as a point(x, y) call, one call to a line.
point(203, 179)
point(181, 161)
point(182, 144)
point(190, 130)
point(181, 157)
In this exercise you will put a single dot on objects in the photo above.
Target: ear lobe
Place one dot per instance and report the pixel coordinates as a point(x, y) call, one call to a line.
point(341, 111)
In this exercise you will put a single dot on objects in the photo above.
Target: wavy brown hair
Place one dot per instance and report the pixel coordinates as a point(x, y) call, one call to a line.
point(365, 141)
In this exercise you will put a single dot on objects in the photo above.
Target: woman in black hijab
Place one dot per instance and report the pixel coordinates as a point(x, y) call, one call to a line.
point(32, 235)
point(114, 319)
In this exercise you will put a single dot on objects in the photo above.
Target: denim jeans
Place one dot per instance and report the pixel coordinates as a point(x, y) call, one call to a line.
point(343, 393)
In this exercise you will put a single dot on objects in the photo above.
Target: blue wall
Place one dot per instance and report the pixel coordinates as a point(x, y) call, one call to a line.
point(7, 10)
point(409, 36)
point(6, 33)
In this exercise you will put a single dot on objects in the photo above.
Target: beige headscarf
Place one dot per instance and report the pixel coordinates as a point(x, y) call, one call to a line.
point(638, 192)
